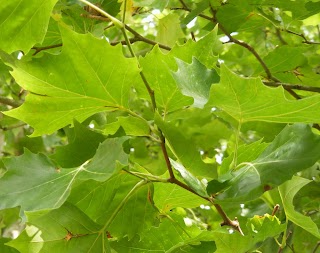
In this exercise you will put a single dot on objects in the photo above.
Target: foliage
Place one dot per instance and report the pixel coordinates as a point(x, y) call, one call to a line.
point(159, 126)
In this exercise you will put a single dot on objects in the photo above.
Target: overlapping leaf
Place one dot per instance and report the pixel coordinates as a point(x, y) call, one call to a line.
point(89, 76)
point(23, 23)
point(296, 148)
point(105, 204)
point(287, 192)
point(34, 176)
point(195, 81)
point(157, 68)
point(247, 99)
point(64, 230)
point(169, 196)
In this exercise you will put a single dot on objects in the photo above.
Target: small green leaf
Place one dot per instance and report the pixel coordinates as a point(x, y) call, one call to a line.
point(169, 30)
point(131, 126)
point(263, 227)
point(23, 23)
point(247, 99)
point(195, 80)
point(287, 192)
point(169, 196)
point(190, 179)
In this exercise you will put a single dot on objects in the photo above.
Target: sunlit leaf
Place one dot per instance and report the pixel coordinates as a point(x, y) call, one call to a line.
point(247, 99)
point(23, 23)
point(79, 82)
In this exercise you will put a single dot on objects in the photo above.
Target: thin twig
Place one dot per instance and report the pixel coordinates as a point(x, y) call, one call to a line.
point(39, 49)
point(11, 102)
point(172, 179)
point(137, 36)
point(316, 247)
point(186, 7)
point(305, 40)
point(292, 86)
point(189, 10)
point(282, 248)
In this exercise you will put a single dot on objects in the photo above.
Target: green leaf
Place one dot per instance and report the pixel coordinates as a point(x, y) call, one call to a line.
point(36, 177)
point(294, 149)
point(283, 59)
point(169, 30)
point(287, 192)
point(184, 150)
point(131, 126)
point(247, 99)
point(101, 200)
point(263, 227)
point(195, 81)
point(82, 146)
point(190, 179)
point(89, 76)
point(169, 196)
point(23, 23)
point(4, 248)
point(170, 236)
point(64, 230)
point(156, 69)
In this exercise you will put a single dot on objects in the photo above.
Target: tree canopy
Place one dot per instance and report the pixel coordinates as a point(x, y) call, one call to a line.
point(159, 126)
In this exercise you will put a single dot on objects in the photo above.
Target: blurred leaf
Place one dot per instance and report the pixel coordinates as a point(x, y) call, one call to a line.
point(169, 30)
point(287, 192)
point(131, 125)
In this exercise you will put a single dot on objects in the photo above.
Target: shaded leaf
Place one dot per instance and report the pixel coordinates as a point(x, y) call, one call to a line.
point(287, 192)
point(81, 147)
point(190, 179)
point(195, 81)
point(294, 149)
point(100, 201)
point(34, 176)
point(247, 99)
point(131, 126)
point(184, 150)
point(78, 83)
point(170, 236)
point(64, 230)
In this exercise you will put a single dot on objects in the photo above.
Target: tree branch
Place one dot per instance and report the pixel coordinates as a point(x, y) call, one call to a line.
point(137, 36)
point(39, 49)
point(305, 40)
point(11, 102)
point(293, 86)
